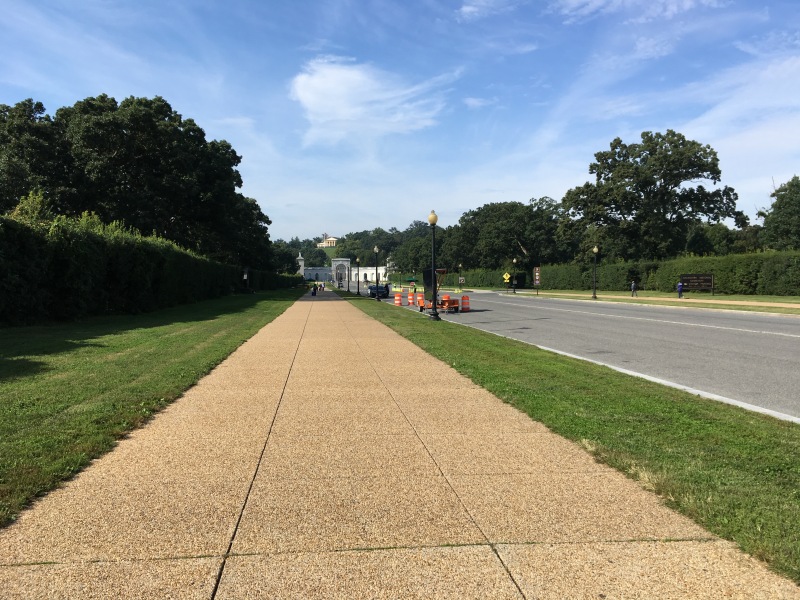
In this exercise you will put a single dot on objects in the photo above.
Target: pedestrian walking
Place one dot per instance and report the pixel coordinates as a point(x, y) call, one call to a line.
point(680, 289)
point(633, 289)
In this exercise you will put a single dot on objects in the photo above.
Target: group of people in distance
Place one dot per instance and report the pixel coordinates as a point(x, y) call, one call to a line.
point(634, 289)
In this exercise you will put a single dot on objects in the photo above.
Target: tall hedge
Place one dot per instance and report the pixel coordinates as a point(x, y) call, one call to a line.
point(71, 268)
point(763, 273)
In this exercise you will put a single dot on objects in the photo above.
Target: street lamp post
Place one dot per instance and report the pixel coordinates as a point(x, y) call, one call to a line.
point(377, 295)
point(514, 279)
point(595, 250)
point(358, 276)
point(432, 219)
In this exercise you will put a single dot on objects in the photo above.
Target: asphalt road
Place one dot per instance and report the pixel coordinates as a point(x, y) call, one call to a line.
point(748, 358)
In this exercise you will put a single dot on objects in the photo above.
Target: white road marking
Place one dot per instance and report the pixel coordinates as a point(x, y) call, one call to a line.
point(589, 312)
point(672, 384)
point(701, 393)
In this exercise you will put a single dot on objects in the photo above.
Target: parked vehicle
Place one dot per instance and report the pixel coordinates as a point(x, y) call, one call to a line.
point(383, 291)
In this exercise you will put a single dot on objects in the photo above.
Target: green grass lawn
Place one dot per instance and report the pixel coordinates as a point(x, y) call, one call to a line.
point(68, 391)
point(735, 472)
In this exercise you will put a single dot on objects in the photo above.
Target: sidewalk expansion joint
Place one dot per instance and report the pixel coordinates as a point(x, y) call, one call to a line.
point(258, 466)
point(441, 472)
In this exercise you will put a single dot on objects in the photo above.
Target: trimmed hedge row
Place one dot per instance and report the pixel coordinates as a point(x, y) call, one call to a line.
point(763, 273)
point(73, 268)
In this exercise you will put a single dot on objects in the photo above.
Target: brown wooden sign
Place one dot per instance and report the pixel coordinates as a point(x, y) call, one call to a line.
point(698, 281)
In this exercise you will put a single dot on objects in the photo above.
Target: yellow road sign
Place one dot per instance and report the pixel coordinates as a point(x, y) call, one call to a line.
point(506, 277)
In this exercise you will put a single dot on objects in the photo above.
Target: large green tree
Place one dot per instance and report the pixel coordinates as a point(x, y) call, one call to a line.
point(782, 220)
point(493, 235)
point(28, 151)
point(284, 257)
point(413, 255)
point(411, 252)
point(647, 197)
point(138, 162)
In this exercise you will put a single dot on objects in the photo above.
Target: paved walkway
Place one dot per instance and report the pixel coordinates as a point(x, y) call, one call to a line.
point(330, 458)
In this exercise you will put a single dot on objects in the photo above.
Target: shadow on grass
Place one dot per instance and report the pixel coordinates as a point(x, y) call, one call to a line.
point(19, 346)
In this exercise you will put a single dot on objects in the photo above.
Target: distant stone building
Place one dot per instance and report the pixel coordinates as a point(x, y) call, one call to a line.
point(328, 241)
point(341, 269)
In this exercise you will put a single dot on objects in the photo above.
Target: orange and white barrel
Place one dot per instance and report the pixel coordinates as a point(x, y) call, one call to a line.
point(398, 299)
point(420, 299)
point(464, 303)
point(411, 298)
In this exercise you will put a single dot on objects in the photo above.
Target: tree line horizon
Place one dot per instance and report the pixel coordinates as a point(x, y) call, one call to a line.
point(140, 163)
point(640, 207)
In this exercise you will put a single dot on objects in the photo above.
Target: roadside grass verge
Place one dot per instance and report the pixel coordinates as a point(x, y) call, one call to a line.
point(68, 391)
point(771, 304)
point(735, 472)
point(645, 294)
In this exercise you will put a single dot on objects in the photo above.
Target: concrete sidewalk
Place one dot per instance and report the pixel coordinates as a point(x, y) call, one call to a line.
point(330, 458)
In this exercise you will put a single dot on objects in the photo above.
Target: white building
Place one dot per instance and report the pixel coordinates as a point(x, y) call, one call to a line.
point(328, 241)
point(341, 269)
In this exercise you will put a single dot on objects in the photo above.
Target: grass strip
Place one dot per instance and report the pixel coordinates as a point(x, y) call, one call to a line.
point(69, 391)
point(735, 472)
point(788, 305)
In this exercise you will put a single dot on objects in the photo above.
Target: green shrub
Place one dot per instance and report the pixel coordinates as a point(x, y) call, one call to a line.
point(71, 268)
point(23, 263)
point(77, 268)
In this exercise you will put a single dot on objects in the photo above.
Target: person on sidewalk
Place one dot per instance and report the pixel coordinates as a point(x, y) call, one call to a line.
point(633, 289)
point(680, 289)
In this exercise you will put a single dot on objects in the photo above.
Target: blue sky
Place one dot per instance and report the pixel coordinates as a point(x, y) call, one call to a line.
point(357, 114)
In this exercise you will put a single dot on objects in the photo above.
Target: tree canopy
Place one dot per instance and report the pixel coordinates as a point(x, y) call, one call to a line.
point(647, 196)
point(782, 220)
point(655, 199)
point(138, 162)
point(141, 163)
point(493, 235)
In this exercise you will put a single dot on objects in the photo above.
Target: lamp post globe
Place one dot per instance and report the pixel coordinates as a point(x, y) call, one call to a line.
point(595, 250)
point(377, 295)
point(514, 279)
point(432, 219)
point(358, 276)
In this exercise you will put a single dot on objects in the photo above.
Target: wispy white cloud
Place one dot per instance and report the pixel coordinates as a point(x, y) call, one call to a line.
point(646, 48)
point(742, 94)
point(475, 103)
point(99, 47)
point(775, 42)
point(637, 10)
point(472, 10)
point(343, 99)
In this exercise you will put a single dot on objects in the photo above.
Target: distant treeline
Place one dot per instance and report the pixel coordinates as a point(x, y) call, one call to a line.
point(654, 200)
